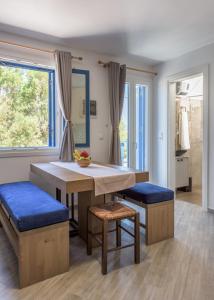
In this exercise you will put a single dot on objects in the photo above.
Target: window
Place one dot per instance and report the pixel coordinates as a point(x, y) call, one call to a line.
point(27, 106)
point(124, 128)
point(134, 125)
point(81, 107)
point(140, 126)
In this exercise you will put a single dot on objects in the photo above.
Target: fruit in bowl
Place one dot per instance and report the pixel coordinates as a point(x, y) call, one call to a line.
point(82, 158)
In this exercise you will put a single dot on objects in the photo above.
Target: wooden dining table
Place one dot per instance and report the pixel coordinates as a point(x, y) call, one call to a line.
point(61, 182)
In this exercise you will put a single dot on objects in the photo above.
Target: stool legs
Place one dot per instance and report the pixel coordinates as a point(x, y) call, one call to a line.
point(137, 238)
point(104, 242)
point(104, 246)
point(118, 233)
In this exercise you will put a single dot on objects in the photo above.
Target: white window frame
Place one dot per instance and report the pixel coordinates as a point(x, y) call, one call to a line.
point(6, 152)
point(132, 80)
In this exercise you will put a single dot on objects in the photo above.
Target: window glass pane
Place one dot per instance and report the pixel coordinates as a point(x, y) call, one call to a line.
point(26, 106)
point(124, 124)
point(140, 126)
point(79, 108)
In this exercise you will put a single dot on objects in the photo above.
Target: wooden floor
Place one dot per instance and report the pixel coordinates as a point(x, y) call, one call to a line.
point(180, 268)
point(194, 197)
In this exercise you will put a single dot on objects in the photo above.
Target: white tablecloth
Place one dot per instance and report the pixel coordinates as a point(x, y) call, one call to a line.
point(106, 179)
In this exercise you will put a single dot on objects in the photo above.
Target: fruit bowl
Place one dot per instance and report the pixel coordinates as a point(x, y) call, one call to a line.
point(82, 158)
point(84, 163)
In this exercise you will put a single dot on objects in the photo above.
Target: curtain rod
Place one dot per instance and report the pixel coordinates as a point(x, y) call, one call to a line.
point(32, 48)
point(129, 68)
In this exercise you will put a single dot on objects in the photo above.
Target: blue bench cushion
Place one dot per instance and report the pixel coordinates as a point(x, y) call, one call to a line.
point(30, 207)
point(148, 193)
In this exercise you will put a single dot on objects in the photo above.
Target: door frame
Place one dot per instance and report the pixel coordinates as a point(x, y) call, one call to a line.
point(204, 70)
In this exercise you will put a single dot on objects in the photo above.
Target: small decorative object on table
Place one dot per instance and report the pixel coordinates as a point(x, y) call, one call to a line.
point(82, 158)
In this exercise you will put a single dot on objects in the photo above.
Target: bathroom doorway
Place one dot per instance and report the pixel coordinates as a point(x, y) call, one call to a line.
point(186, 143)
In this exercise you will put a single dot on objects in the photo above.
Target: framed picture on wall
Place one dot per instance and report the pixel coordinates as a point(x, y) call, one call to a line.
point(93, 108)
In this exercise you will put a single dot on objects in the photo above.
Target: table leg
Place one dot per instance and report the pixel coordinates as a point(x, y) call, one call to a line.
point(85, 200)
point(58, 194)
point(73, 223)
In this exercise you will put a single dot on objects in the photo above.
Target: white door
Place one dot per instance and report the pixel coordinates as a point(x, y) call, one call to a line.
point(134, 125)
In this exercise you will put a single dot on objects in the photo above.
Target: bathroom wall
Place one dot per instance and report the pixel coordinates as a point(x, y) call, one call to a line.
point(192, 103)
point(193, 106)
point(195, 126)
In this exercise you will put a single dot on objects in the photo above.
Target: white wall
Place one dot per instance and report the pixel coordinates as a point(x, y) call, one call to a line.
point(201, 57)
point(18, 168)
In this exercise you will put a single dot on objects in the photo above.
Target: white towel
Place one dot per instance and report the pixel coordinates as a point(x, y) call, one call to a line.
point(184, 131)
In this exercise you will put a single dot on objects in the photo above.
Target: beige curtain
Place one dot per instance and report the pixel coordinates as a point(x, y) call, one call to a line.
point(117, 79)
point(64, 79)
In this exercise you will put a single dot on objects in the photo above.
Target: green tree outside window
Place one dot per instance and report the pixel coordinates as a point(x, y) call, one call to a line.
point(23, 107)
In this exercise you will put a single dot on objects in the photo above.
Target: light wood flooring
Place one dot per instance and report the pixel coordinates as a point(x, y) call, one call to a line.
point(178, 269)
point(194, 197)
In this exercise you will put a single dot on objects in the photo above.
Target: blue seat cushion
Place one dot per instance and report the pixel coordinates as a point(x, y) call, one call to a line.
point(29, 207)
point(148, 193)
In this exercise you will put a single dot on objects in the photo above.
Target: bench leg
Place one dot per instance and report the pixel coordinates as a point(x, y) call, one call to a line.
point(159, 222)
point(43, 253)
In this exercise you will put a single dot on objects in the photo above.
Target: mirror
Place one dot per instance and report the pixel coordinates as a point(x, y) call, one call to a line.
point(81, 107)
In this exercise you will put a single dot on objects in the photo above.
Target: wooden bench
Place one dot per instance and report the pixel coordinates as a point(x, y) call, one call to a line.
point(38, 230)
point(158, 203)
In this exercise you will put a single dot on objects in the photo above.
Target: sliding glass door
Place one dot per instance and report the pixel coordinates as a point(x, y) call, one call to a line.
point(134, 125)
point(140, 106)
point(124, 129)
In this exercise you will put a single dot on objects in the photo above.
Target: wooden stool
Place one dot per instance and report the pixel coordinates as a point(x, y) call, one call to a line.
point(106, 213)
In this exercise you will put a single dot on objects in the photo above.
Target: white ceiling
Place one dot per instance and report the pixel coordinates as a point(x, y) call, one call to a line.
point(159, 30)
